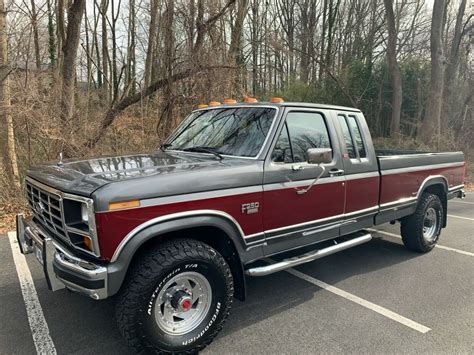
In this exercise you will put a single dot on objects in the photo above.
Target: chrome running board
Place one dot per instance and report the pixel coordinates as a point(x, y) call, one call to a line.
point(307, 257)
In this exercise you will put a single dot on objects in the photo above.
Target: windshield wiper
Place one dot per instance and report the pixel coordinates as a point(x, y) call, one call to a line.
point(203, 150)
point(165, 146)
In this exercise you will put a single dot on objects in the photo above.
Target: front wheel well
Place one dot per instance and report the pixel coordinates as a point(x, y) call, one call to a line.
point(214, 237)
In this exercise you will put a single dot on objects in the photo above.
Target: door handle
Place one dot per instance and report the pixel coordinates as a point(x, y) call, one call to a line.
point(336, 172)
point(297, 167)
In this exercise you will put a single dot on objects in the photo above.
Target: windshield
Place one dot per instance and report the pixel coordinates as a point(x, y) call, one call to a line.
point(229, 131)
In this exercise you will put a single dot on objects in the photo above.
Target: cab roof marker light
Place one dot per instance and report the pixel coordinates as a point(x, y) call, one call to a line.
point(276, 100)
point(123, 204)
point(202, 106)
point(214, 103)
point(250, 100)
point(230, 101)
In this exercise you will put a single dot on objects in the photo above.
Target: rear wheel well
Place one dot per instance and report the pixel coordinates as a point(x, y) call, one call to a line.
point(440, 190)
point(214, 237)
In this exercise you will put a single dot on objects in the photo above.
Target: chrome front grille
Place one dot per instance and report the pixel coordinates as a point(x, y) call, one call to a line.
point(47, 210)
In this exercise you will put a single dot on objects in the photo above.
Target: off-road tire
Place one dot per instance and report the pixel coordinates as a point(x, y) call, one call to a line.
point(135, 302)
point(412, 226)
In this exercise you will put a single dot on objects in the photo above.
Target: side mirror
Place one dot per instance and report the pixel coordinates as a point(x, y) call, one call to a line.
point(319, 155)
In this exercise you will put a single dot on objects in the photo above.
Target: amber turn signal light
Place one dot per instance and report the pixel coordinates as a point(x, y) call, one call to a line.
point(123, 204)
point(250, 100)
point(87, 242)
point(276, 100)
point(214, 103)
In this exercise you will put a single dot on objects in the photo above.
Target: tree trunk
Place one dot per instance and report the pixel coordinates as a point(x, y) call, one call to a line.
point(453, 61)
point(430, 127)
point(60, 32)
point(168, 59)
point(393, 68)
point(51, 39)
point(131, 67)
point(235, 49)
point(34, 25)
point(254, 44)
point(68, 70)
point(113, 30)
point(10, 160)
point(104, 4)
point(152, 31)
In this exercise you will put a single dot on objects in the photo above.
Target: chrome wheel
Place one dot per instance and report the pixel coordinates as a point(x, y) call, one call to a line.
point(430, 224)
point(183, 303)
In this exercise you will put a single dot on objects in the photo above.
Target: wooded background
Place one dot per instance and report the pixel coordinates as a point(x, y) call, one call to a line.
point(112, 76)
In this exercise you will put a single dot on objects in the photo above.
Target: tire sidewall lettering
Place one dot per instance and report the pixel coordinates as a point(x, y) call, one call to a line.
point(206, 328)
point(218, 304)
point(157, 289)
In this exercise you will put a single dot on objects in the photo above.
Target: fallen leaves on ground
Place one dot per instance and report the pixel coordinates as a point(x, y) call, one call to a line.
point(7, 217)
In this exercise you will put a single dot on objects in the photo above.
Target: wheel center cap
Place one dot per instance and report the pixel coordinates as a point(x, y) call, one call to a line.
point(184, 303)
point(181, 301)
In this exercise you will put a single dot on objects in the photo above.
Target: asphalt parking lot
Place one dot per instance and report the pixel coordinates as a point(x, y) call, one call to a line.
point(375, 298)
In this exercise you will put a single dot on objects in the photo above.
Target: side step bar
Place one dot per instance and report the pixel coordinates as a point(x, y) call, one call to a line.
point(307, 257)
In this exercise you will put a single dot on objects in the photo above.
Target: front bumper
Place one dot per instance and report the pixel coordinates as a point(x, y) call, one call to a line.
point(61, 268)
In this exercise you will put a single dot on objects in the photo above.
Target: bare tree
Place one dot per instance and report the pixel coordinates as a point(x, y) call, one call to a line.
point(68, 70)
point(453, 59)
point(104, 4)
point(393, 67)
point(10, 160)
point(431, 125)
point(51, 36)
point(131, 48)
point(236, 50)
point(152, 33)
point(34, 26)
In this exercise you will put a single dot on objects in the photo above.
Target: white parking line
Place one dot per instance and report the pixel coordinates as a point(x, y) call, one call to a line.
point(460, 217)
point(466, 202)
point(437, 245)
point(39, 328)
point(360, 301)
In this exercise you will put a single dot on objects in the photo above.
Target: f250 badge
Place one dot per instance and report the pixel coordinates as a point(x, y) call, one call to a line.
point(250, 208)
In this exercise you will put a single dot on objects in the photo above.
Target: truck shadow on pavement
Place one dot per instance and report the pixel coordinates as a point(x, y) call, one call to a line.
point(80, 325)
point(267, 296)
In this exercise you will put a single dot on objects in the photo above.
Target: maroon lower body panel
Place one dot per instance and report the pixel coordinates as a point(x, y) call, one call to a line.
point(285, 207)
point(362, 193)
point(396, 187)
point(113, 226)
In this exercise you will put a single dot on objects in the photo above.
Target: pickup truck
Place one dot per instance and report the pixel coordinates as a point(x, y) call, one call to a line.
point(173, 234)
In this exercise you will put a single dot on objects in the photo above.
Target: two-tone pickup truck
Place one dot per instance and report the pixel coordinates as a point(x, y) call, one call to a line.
point(173, 234)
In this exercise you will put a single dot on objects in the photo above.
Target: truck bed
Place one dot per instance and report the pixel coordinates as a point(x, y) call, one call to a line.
point(403, 174)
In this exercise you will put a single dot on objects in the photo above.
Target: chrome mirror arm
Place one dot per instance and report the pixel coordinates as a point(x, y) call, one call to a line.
point(303, 191)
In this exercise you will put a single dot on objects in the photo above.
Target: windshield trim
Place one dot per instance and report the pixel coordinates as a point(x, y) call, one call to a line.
point(265, 141)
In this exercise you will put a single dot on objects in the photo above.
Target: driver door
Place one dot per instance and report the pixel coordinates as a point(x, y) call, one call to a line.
point(294, 218)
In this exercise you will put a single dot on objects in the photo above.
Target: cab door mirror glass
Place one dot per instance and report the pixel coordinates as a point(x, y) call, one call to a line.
point(319, 155)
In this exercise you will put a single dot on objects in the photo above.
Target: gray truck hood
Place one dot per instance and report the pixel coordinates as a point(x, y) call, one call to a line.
point(134, 172)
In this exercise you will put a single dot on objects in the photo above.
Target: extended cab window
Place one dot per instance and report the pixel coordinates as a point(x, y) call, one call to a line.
point(231, 131)
point(305, 130)
point(357, 136)
point(347, 136)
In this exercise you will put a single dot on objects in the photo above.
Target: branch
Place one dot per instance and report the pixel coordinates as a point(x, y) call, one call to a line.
point(127, 101)
point(202, 28)
point(2, 79)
